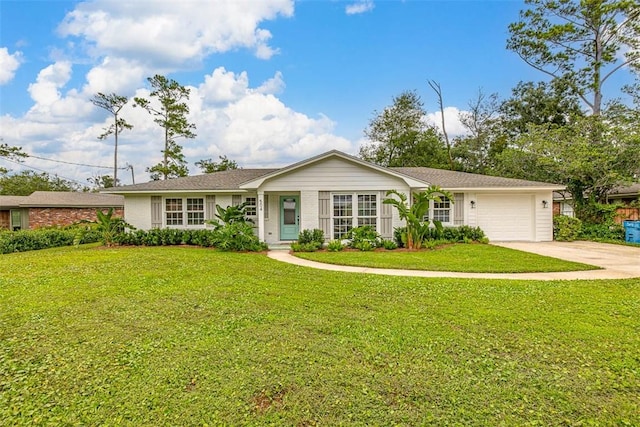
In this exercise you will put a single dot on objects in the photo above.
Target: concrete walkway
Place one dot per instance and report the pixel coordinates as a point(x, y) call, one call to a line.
point(616, 261)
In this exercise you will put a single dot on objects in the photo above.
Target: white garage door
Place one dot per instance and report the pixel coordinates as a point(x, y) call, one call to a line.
point(506, 217)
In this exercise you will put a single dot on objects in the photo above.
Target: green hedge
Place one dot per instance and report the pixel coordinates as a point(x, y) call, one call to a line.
point(43, 238)
point(230, 237)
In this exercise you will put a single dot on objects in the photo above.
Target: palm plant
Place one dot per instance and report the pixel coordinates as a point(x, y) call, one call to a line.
point(416, 229)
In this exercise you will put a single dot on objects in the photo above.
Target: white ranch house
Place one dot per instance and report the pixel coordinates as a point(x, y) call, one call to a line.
point(335, 192)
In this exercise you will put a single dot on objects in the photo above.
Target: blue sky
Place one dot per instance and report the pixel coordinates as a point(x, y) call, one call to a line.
point(273, 81)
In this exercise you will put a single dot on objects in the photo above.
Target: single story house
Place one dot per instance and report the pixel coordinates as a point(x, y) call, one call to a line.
point(54, 208)
point(335, 192)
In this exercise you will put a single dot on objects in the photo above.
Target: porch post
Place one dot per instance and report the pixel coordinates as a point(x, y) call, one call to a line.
point(261, 208)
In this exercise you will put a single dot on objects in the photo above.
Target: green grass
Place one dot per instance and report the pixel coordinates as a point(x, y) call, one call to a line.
point(471, 258)
point(186, 336)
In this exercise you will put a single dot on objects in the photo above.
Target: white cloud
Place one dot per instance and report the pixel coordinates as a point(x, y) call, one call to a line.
point(249, 124)
point(360, 6)
point(9, 63)
point(451, 121)
point(168, 32)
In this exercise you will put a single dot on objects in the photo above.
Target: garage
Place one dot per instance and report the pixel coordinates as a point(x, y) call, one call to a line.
point(507, 217)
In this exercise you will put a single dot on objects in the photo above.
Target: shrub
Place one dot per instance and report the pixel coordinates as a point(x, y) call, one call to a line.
point(399, 236)
point(389, 245)
point(463, 234)
point(238, 237)
point(364, 238)
point(566, 228)
point(311, 236)
point(304, 247)
point(602, 232)
point(335, 246)
point(43, 238)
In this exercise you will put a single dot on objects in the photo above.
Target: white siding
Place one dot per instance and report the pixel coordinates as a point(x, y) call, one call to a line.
point(333, 175)
point(544, 217)
point(137, 211)
point(309, 210)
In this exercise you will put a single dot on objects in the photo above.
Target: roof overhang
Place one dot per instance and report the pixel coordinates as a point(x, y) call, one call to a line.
point(257, 182)
point(506, 189)
point(156, 192)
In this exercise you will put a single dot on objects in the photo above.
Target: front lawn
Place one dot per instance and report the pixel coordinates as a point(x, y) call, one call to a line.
point(470, 258)
point(186, 336)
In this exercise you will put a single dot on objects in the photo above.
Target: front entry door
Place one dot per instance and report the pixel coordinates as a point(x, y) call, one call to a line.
point(289, 217)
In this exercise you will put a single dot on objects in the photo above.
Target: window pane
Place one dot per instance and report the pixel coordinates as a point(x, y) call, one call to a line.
point(341, 227)
point(367, 205)
point(173, 205)
point(195, 218)
point(250, 207)
point(174, 218)
point(195, 205)
point(442, 210)
point(367, 221)
point(342, 205)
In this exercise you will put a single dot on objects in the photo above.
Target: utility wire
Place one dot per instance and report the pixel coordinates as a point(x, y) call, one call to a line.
point(77, 164)
point(45, 171)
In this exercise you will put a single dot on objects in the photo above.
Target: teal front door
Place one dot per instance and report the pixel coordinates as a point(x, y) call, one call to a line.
point(289, 217)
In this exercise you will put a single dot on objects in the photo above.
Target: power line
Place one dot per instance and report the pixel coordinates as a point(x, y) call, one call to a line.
point(45, 171)
point(76, 164)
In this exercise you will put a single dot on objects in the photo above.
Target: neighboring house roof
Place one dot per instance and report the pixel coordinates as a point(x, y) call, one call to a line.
point(8, 202)
point(241, 179)
point(627, 191)
point(64, 199)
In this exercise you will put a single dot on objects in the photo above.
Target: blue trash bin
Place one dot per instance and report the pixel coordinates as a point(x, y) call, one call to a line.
point(632, 231)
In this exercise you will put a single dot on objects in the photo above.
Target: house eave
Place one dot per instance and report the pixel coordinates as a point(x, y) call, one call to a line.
point(175, 191)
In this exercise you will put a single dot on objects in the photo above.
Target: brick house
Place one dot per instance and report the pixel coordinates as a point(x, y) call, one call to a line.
point(54, 208)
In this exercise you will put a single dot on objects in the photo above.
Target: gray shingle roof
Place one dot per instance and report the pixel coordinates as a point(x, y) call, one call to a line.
point(71, 199)
point(453, 179)
point(7, 202)
point(232, 179)
point(224, 180)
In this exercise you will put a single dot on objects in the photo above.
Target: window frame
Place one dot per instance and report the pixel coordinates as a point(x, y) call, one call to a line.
point(432, 210)
point(353, 209)
point(184, 212)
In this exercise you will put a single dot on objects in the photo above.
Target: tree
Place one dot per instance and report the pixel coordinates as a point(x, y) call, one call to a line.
point(113, 104)
point(209, 166)
point(400, 137)
point(476, 152)
point(567, 155)
point(26, 182)
point(413, 214)
point(11, 153)
point(583, 43)
point(438, 90)
point(539, 103)
point(171, 115)
point(103, 181)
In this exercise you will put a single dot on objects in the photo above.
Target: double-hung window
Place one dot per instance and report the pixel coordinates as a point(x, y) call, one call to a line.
point(173, 211)
point(367, 210)
point(342, 215)
point(353, 210)
point(195, 211)
point(442, 210)
point(179, 209)
point(250, 208)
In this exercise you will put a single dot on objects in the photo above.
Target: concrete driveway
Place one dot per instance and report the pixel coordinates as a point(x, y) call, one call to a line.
point(616, 261)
